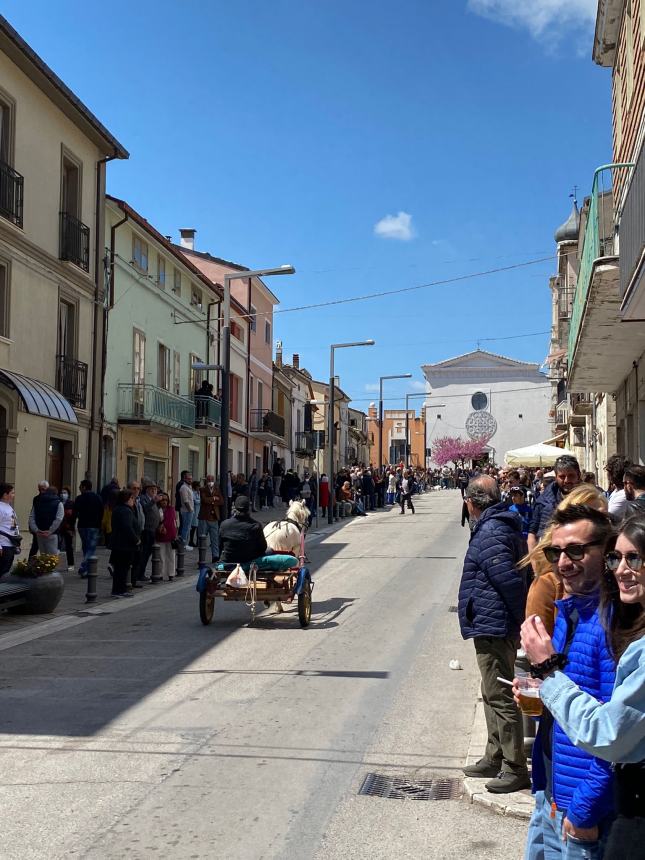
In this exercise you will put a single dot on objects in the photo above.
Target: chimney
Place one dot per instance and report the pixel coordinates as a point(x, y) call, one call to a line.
point(296, 361)
point(278, 354)
point(371, 412)
point(187, 238)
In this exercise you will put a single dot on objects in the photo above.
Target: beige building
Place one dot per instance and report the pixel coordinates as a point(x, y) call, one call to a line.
point(341, 423)
point(306, 456)
point(53, 154)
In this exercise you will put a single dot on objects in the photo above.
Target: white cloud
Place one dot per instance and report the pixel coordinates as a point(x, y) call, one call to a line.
point(540, 17)
point(395, 227)
point(372, 387)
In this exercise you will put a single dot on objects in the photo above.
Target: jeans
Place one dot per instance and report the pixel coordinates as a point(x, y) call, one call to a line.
point(390, 498)
point(89, 539)
point(66, 542)
point(121, 563)
point(406, 497)
point(544, 838)
point(496, 658)
point(185, 520)
point(6, 559)
point(210, 528)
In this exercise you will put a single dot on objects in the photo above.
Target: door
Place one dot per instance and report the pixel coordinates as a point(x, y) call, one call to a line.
point(60, 463)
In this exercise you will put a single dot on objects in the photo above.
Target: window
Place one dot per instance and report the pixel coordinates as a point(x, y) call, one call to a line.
point(176, 372)
point(4, 299)
point(132, 467)
point(281, 404)
point(138, 357)
point(267, 331)
point(196, 298)
point(479, 401)
point(196, 376)
point(67, 329)
point(254, 318)
point(71, 187)
point(7, 113)
point(251, 390)
point(235, 398)
point(260, 395)
point(193, 463)
point(163, 367)
point(155, 470)
point(237, 331)
point(161, 272)
point(240, 463)
point(139, 253)
point(176, 282)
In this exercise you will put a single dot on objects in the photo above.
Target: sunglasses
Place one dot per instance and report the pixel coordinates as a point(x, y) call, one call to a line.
point(574, 552)
point(633, 560)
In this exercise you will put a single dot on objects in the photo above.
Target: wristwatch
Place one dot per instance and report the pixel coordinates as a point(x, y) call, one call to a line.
point(555, 661)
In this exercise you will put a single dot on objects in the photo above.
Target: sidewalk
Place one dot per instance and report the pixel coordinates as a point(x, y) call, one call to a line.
point(518, 804)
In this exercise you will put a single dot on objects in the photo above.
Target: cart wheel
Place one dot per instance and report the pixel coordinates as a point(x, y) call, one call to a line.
point(304, 605)
point(206, 607)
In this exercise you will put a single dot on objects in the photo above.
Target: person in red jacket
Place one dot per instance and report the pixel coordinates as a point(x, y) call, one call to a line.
point(324, 493)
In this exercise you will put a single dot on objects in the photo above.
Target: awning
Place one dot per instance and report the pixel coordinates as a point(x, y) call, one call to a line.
point(555, 356)
point(554, 440)
point(39, 398)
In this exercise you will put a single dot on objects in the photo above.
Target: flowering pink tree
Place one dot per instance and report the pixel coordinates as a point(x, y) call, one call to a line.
point(454, 449)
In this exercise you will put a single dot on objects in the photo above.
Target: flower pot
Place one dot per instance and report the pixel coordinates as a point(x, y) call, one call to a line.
point(45, 592)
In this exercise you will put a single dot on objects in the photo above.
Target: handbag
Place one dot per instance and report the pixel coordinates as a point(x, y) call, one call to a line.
point(16, 540)
point(174, 543)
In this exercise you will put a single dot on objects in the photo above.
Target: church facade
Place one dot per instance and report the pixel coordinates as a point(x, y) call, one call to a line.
point(485, 394)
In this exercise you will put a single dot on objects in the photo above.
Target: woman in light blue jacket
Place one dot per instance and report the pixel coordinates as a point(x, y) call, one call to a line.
point(615, 730)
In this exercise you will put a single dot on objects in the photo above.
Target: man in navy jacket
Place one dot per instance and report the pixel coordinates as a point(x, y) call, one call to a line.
point(492, 600)
point(567, 476)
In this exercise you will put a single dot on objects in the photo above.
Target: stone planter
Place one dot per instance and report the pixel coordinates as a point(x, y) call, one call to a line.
point(45, 592)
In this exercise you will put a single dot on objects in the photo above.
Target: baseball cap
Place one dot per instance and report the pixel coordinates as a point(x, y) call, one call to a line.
point(242, 504)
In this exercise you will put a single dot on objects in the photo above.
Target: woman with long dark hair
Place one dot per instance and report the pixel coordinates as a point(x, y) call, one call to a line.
point(614, 730)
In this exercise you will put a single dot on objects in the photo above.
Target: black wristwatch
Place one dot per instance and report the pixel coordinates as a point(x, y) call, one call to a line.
point(555, 661)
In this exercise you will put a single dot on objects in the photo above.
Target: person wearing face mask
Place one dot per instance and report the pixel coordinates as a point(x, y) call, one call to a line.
point(210, 514)
point(66, 531)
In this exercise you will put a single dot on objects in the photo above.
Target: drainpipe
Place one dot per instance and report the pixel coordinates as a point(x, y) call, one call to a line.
point(637, 432)
point(248, 383)
point(98, 308)
point(594, 436)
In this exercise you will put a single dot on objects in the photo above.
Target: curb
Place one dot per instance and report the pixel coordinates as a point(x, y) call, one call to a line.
point(518, 804)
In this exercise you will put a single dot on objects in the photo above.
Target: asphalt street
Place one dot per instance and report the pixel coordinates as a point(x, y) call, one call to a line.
point(138, 732)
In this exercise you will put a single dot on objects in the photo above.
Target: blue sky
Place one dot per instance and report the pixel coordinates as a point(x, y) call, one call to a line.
point(286, 131)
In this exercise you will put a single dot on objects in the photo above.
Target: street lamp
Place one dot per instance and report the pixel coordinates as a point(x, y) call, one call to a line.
point(380, 412)
point(226, 345)
point(330, 421)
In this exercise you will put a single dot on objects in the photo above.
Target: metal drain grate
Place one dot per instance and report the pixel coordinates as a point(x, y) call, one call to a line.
point(453, 609)
point(401, 788)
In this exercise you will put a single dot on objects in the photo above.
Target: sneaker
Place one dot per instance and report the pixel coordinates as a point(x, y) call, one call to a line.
point(188, 548)
point(71, 568)
point(127, 594)
point(483, 769)
point(505, 783)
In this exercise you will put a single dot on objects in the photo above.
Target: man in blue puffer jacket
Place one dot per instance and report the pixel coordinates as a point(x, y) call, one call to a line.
point(567, 476)
point(573, 790)
point(492, 600)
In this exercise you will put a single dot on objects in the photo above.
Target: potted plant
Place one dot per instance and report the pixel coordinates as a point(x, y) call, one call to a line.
point(46, 585)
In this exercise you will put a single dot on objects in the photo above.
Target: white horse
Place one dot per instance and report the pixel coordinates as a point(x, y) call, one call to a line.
point(284, 535)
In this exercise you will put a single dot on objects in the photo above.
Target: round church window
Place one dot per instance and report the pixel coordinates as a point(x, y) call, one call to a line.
point(479, 401)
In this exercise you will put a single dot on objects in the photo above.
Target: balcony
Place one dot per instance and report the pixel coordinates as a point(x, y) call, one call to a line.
point(305, 444)
point(561, 416)
point(11, 194)
point(582, 404)
point(632, 246)
point(208, 416)
point(601, 348)
point(71, 380)
point(155, 408)
point(74, 241)
point(267, 425)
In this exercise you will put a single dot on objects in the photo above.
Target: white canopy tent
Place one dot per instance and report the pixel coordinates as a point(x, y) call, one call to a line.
point(535, 455)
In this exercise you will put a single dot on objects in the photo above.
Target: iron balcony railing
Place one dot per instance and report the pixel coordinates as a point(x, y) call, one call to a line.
point(11, 194)
point(599, 240)
point(632, 227)
point(266, 421)
point(140, 403)
point(208, 411)
point(74, 241)
point(581, 402)
point(305, 443)
point(71, 380)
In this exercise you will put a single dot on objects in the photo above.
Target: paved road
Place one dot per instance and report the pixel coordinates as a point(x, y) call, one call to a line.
point(144, 734)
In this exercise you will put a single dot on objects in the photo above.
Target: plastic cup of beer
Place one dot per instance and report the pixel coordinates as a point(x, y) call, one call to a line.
point(530, 701)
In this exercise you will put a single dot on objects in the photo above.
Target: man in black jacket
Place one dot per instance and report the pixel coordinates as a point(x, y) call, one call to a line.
point(634, 480)
point(241, 538)
point(87, 516)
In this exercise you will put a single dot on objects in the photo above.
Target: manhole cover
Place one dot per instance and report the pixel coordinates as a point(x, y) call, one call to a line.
point(453, 609)
point(402, 788)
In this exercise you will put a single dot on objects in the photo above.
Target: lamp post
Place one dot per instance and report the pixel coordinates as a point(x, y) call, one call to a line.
point(380, 411)
point(330, 418)
point(226, 344)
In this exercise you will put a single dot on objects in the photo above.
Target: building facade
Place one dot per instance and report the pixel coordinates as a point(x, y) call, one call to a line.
point(306, 454)
point(394, 426)
point(53, 154)
point(481, 394)
point(158, 328)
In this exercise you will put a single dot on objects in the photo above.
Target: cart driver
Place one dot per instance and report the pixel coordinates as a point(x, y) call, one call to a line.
point(241, 538)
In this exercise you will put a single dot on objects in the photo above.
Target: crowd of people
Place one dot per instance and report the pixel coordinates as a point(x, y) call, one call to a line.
point(559, 562)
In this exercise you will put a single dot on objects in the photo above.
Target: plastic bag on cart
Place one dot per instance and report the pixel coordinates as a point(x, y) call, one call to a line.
point(237, 578)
